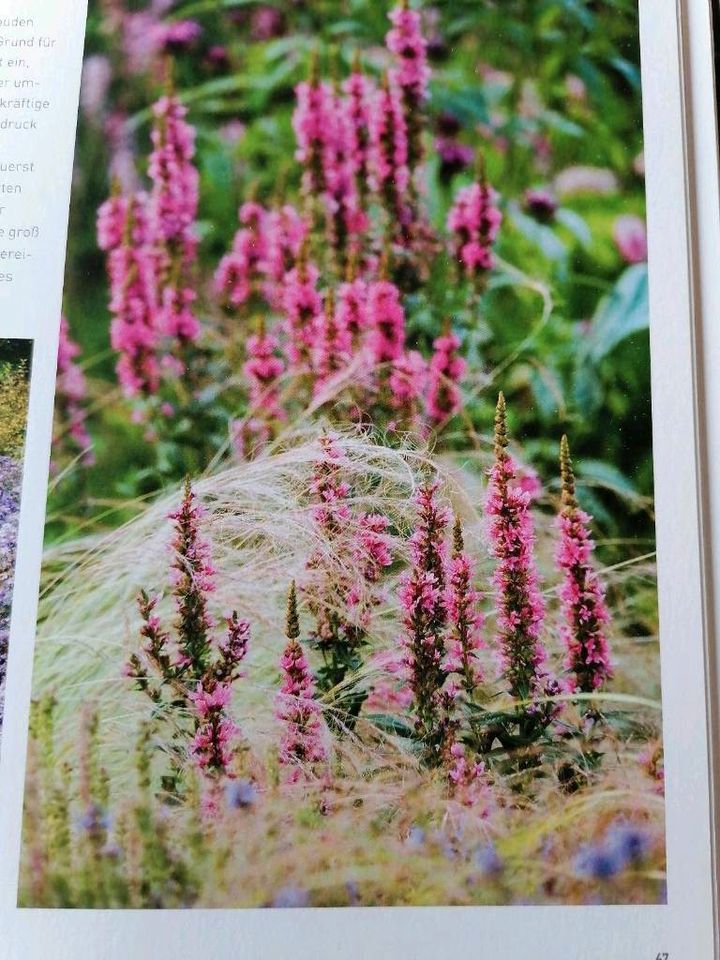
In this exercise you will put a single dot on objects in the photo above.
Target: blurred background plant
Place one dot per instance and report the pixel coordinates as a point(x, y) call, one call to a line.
point(548, 91)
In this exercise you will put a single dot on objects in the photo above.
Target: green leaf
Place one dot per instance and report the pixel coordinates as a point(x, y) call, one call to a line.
point(623, 312)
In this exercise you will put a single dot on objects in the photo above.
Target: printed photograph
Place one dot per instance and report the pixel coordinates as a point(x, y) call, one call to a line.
point(349, 590)
point(15, 359)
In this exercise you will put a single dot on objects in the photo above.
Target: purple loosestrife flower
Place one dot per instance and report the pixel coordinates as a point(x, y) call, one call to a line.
point(464, 616)
point(474, 222)
point(123, 229)
point(192, 577)
point(302, 741)
point(192, 668)
point(410, 72)
point(70, 393)
point(239, 269)
point(302, 307)
point(584, 609)
point(445, 372)
point(333, 345)
point(518, 601)
point(388, 158)
point(174, 205)
point(422, 599)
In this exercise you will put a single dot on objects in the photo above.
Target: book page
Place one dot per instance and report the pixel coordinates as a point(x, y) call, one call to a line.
point(353, 530)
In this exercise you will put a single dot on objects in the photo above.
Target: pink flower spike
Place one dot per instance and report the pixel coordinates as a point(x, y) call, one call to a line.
point(519, 604)
point(444, 398)
point(585, 612)
point(474, 221)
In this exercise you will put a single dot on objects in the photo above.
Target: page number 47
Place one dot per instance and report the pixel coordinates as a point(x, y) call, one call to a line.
point(663, 956)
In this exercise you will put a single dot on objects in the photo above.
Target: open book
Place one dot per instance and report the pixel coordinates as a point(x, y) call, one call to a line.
point(356, 483)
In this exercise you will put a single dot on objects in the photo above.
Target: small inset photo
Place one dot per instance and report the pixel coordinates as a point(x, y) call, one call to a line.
point(15, 358)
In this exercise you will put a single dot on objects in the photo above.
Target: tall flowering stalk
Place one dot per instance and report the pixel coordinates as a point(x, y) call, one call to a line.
point(446, 370)
point(474, 221)
point(343, 573)
point(386, 317)
point(518, 601)
point(302, 744)
point(352, 309)
point(464, 616)
point(123, 232)
point(70, 394)
point(410, 73)
point(193, 668)
point(333, 344)
point(302, 306)
point(583, 602)
point(359, 91)
point(285, 230)
point(239, 270)
point(388, 158)
point(422, 599)
point(174, 204)
point(263, 369)
point(315, 124)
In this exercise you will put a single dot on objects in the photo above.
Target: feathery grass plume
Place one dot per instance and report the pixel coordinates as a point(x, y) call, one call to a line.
point(70, 428)
point(582, 596)
point(464, 616)
point(302, 743)
point(422, 598)
point(474, 221)
point(174, 205)
point(518, 601)
point(445, 371)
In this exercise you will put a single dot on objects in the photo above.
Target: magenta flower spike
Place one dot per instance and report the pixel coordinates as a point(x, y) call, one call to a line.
point(302, 306)
point(192, 577)
point(422, 600)
point(134, 332)
point(302, 742)
point(410, 73)
point(446, 370)
point(584, 610)
point(464, 616)
point(359, 91)
point(70, 394)
point(386, 316)
point(474, 221)
point(333, 345)
point(263, 369)
point(239, 270)
point(518, 602)
point(388, 156)
point(174, 204)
